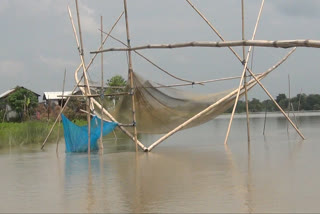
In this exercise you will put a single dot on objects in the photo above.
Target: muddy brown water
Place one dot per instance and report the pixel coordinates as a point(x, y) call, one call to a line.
point(190, 172)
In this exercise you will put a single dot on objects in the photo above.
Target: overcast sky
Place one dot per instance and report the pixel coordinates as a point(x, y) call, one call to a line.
point(37, 42)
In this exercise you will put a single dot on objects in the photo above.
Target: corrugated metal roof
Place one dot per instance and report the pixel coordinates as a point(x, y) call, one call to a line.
point(6, 93)
point(54, 95)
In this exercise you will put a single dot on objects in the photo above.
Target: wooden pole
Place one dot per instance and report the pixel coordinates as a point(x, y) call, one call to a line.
point(289, 100)
point(102, 88)
point(243, 72)
point(265, 118)
point(256, 43)
point(87, 89)
point(131, 75)
point(282, 111)
point(215, 104)
point(61, 105)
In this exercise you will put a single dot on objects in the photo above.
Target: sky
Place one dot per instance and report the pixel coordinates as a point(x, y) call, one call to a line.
point(37, 42)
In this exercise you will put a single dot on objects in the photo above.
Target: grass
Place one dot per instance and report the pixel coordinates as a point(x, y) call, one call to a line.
point(30, 132)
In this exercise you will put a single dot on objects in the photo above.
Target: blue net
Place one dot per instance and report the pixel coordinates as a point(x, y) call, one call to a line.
point(76, 137)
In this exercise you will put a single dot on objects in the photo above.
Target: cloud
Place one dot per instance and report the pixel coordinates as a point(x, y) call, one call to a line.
point(11, 68)
point(88, 19)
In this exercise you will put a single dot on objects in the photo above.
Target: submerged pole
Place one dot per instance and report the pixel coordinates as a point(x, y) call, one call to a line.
point(102, 89)
point(130, 72)
point(87, 88)
point(245, 74)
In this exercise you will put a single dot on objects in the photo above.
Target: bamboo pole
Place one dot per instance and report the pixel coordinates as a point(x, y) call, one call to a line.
point(64, 82)
point(76, 71)
point(130, 71)
point(152, 63)
point(289, 100)
point(235, 43)
point(102, 89)
point(243, 73)
point(215, 104)
point(282, 111)
point(87, 89)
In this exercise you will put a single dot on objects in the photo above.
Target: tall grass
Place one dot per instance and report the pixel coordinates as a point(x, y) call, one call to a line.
point(29, 132)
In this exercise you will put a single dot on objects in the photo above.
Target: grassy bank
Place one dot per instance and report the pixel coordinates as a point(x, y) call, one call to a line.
point(29, 132)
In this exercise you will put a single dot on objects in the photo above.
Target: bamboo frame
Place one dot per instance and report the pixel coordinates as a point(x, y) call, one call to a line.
point(243, 74)
point(214, 105)
point(256, 43)
point(76, 72)
point(152, 63)
point(130, 72)
point(64, 81)
point(102, 89)
point(87, 89)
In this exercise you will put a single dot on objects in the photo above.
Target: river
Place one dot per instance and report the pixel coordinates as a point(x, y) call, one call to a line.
point(193, 171)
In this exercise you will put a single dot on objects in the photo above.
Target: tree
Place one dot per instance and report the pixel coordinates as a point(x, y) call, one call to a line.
point(22, 101)
point(117, 84)
point(282, 100)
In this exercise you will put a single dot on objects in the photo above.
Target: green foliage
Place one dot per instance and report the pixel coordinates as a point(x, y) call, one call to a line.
point(22, 101)
point(116, 84)
point(29, 132)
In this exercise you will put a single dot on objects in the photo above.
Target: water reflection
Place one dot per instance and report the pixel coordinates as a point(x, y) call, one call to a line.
point(191, 172)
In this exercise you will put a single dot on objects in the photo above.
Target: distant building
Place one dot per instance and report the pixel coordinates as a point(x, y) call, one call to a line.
point(9, 113)
point(55, 98)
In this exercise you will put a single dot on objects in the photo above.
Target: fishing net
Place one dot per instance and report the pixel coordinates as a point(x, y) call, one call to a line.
point(160, 109)
point(76, 137)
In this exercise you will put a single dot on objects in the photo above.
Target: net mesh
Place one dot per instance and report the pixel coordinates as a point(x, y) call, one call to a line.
point(160, 109)
point(76, 137)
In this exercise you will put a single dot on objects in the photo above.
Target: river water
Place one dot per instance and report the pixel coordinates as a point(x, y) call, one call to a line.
point(190, 172)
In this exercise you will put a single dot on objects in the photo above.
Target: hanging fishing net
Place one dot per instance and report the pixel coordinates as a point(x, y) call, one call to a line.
point(160, 109)
point(76, 137)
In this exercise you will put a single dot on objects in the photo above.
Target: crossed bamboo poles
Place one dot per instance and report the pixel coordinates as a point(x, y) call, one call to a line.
point(229, 44)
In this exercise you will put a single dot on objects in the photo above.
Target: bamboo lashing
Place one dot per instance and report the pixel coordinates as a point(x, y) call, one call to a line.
point(214, 105)
point(256, 43)
point(243, 73)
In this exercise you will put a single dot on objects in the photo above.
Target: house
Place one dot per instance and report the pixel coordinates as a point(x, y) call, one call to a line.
point(9, 113)
point(55, 98)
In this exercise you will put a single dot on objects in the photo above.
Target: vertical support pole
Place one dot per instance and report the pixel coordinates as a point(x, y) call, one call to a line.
point(61, 105)
point(102, 88)
point(87, 88)
point(245, 74)
point(131, 75)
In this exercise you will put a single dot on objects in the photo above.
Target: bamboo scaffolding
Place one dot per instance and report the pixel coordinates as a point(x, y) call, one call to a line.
point(77, 80)
point(87, 89)
point(243, 74)
point(102, 90)
point(64, 82)
point(130, 71)
point(215, 104)
point(257, 43)
point(152, 63)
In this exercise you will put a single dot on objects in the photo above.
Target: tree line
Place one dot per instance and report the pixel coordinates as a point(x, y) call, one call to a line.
point(301, 102)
